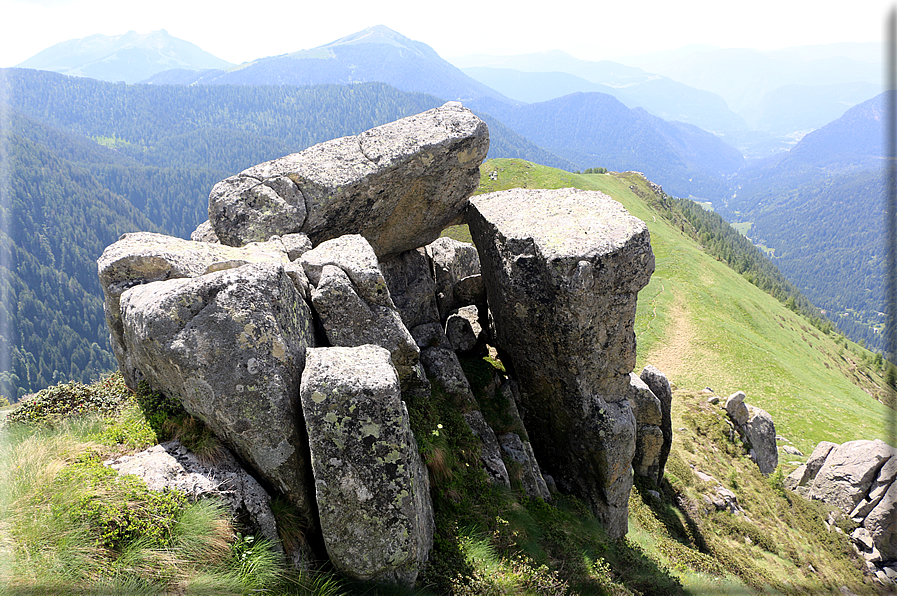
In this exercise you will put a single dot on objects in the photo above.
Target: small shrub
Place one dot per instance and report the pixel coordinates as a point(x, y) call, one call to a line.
point(119, 509)
point(49, 406)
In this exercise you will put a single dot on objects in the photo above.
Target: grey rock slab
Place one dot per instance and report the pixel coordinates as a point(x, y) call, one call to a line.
point(453, 262)
point(848, 473)
point(247, 208)
point(430, 335)
point(354, 255)
point(443, 366)
point(490, 452)
point(398, 185)
point(145, 257)
point(521, 452)
point(799, 477)
point(760, 432)
point(231, 347)
point(562, 270)
point(372, 490)
point(463, 329)
point(659, 385)
point(350, 321)
point(817, 458)
point(649, 436)
point(881, 523)
point(411, 286)
point(737, 409)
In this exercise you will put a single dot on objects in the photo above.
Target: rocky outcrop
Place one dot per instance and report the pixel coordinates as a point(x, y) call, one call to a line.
point(370, 483)
point(354, 305)
point(660, 387)
point(562, 270)
point(857, 477)
point(145, 257)
point(398, 185)
point(296, 321)
point(848, 473)
point(757, 429)
point(649, 437)
point(230, 346)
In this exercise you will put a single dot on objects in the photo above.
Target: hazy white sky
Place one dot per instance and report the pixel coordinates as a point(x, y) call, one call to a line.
point(246, 30)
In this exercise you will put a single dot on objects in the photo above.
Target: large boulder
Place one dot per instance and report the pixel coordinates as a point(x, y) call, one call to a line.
point(737, 409)
point(881, 523)
point(660, 387)
point(562, 270)
point(848, 473)
point(412, 287)
point(230, 346)
point(398, 185)
point(144, 257)
point(456, 270)
point(521, 453)
point(371, 485)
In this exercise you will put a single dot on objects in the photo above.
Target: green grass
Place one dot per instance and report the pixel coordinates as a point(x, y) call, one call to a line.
point(744, 227)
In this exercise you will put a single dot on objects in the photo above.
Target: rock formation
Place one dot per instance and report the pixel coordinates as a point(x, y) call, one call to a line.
point(857, 477)
point(758, 431)
point(310, 308)
point(172, 466)
point(649, 440)
point(660, 387)
point(230, 345)
point(562, 270)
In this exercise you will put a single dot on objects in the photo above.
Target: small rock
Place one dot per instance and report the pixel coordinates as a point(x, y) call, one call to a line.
point(737, 409)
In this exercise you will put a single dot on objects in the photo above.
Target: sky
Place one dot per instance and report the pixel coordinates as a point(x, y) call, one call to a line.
point(244, 31)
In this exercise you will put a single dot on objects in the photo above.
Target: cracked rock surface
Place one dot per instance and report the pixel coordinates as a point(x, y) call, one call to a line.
point(370, 482)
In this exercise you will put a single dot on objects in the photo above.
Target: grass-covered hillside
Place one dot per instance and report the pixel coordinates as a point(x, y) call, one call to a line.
point(68, 526)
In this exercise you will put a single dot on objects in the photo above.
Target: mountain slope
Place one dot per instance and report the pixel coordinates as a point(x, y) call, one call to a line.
point(548, 75)
point(596, 130)
point(376, 54)
point(751, 80)
point(130, 57)
point(59, 220)
point(820, 208)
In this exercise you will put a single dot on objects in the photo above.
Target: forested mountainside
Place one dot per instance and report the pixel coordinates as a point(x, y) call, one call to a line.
point(819, 210)
point(595, 129)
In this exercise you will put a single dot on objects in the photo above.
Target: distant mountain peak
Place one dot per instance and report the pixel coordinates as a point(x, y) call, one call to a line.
point(130, 57)
point(376, 35)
